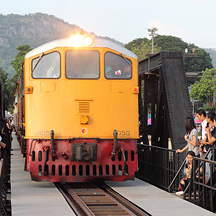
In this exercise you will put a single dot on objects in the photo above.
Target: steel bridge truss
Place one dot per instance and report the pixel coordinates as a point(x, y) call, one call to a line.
point(164, 100)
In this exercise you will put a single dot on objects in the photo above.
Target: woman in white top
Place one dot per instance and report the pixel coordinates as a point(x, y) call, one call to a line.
point(191, 137)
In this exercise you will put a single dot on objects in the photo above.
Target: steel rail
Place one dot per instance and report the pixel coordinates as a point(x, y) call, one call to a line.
point(97, 199)
point(74, 206)
point(132, 207)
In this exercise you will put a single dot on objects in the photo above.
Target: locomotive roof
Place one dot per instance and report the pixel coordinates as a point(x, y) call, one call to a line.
point(66, 42)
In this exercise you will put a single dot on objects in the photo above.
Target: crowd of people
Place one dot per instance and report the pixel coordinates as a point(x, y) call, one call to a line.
point(198, 147)
point(208, 137)
point(6, 128)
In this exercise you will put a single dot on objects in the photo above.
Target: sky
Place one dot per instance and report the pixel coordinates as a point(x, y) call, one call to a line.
point(125, 20)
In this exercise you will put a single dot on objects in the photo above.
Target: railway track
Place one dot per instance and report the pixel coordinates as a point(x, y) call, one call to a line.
point(97, 199)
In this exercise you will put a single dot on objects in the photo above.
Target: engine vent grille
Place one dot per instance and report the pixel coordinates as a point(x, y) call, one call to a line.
point(84, 107)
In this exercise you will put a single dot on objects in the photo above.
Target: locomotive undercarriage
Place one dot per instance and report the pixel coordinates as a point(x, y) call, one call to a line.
point(81, 160)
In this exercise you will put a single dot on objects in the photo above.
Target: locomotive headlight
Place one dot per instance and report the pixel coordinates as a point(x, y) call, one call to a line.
point(76, 40)
point(81, 41)
point(88, 41)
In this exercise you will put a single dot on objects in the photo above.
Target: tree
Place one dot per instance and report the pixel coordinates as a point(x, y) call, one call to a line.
point(170, 43)
point(17, 65)
point(205, 89)
point(4, 83)
point(201, 62)
point(192, 64)
point(18, 61)
point(136, 43)
point(142, 47)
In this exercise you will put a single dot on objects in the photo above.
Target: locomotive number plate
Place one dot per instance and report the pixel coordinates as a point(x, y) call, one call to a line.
point(43, 133)
point(124, 133)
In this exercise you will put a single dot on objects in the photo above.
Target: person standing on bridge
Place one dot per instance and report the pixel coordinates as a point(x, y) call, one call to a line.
point(191, 137)
point(201, 116)
point(210, 142)
point(209, 128)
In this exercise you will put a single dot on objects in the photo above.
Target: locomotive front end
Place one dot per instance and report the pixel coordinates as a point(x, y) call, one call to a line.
point(81, 111)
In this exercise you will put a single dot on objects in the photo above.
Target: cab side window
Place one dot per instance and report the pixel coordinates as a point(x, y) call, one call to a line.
point(117, 67)
point(47, 66)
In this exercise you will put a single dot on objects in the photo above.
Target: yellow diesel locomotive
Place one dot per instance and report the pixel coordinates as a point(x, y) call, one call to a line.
point(76, 110)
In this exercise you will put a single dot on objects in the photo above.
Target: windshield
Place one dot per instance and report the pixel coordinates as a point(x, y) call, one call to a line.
point(47, 66)
point(82, 64)
point(117, 67)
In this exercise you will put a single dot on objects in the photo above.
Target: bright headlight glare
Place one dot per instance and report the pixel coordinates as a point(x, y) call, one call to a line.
point(81, 40)
point(88, 41)
point(76, 40)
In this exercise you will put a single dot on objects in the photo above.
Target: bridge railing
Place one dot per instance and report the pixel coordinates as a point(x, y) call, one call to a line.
point(202, 190)
point(180, 171)
point(5, 202)
point(157, 165)
point(1, 180)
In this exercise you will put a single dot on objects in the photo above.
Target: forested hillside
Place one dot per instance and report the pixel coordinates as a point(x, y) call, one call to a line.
point(32, 29)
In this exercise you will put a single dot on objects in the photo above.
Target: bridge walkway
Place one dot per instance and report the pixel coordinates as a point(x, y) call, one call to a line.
point(155, 201)
point(30, 197)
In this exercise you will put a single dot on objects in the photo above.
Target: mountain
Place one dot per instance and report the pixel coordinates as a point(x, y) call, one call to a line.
point(212, 53)
point(32, 29)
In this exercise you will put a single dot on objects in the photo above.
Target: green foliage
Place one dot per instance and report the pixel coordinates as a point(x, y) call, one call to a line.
point(136, 43)
point(142, 47)
point(17, 65)
point(18, 61)
point(205, 89)
point(201, 62)
point(4, 83)
point(208, 108)
point(3, 77)
point(170, 43)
